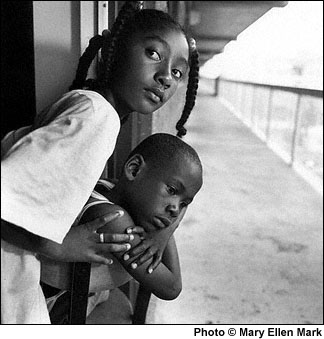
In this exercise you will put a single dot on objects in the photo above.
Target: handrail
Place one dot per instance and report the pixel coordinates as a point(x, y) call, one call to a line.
point(298, 90)
point(286, 136)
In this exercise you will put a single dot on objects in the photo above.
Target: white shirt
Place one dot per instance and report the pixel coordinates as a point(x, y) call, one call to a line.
point(46, 178)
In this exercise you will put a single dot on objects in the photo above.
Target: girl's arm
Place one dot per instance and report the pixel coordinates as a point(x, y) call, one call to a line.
point(20, 237)
point(165, 280)
point(80, 244)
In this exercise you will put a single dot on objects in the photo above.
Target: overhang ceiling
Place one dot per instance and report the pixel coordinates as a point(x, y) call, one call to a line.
point(215, 23)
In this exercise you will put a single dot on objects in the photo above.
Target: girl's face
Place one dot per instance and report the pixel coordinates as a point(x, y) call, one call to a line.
point(154, 66)
point(159, 196)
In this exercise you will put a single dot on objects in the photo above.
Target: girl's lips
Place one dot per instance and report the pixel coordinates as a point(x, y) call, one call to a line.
point(153, 97)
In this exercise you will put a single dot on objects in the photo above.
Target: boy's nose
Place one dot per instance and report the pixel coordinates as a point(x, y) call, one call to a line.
point(174, 210)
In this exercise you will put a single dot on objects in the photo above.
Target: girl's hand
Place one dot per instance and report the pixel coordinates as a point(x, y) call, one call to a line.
point(152, 245)
point(83, 244)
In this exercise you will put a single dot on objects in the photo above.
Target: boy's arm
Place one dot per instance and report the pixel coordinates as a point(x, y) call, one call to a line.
point(154, 243)
point(165, 280)
point(170, 256)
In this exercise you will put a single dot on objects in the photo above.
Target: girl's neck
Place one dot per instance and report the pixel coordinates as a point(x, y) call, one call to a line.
point(122, 111)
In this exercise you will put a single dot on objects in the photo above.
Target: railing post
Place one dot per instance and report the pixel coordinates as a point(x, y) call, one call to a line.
point(216, 87)
point(296, 127)
point(253, 109)
point(269, 115)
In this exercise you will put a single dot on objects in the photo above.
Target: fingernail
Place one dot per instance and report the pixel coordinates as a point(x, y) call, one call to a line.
point(150, 270)
point(110, 261)
point(131, 237)
point(120, 213)
point(134, 265)
point(126, 257)
point(128, 246)
point(129, 230)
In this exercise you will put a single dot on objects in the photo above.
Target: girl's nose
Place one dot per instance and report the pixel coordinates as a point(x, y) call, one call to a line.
point(164, 77)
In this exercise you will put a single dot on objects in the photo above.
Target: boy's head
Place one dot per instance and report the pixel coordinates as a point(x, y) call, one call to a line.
point(160, 178)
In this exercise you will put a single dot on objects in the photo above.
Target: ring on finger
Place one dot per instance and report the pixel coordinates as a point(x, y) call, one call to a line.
point(101, 238)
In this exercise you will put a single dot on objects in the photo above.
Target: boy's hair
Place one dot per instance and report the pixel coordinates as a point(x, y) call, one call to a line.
point(132, 19)
point(160, 149)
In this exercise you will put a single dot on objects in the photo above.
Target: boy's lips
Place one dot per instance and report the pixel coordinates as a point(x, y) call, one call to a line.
point(161, 222)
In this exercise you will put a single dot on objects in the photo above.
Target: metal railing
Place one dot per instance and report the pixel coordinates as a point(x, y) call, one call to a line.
point(288, 119)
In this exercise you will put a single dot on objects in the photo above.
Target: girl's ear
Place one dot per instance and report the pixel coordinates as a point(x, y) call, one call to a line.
point(133, 166)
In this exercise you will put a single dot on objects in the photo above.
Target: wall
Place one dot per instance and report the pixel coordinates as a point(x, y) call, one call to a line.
point(57, 48)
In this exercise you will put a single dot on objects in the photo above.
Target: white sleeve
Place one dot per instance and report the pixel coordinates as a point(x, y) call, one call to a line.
point(49, 174)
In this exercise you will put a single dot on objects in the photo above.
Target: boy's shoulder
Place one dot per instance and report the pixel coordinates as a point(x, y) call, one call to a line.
point(118, 225)
point(99, 205)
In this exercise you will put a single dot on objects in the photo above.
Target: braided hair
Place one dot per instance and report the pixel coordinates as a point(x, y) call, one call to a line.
point(85, 61)
point(132, 18)
point(192, 88)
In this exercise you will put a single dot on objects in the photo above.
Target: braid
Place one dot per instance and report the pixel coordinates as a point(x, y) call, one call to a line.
point(192, 88)
point(107, 44)
point(108, 52)
point(85, 61)
point(131, 18)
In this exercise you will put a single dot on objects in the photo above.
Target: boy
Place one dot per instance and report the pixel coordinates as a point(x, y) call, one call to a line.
point(159, 180)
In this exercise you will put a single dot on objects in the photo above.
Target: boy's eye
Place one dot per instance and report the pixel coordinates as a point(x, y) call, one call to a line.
point(153, 54)
point(177, 73)
point(184, 204)
point(171, 190)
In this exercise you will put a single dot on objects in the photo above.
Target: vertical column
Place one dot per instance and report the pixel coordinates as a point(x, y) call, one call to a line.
point(103, 16)
point(88, 28)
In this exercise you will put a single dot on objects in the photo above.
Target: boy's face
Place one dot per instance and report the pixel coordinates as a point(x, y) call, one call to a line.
point(158, 196)
point(150, 73)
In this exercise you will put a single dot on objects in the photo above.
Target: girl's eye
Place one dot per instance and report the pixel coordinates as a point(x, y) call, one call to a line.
point(171, 190)
point(177, 73)
point(153, 54)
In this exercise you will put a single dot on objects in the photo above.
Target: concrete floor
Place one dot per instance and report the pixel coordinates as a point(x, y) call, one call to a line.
point(251, 244)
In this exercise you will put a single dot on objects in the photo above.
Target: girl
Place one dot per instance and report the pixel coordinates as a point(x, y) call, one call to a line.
point(49, 173)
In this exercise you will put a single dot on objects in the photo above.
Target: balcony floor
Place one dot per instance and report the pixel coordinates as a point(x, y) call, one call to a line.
point(251, 243)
